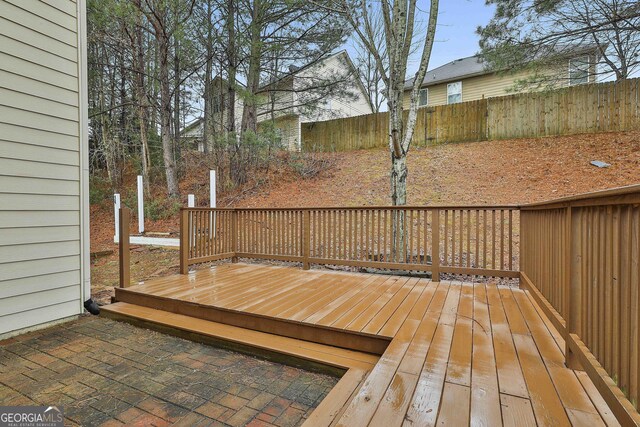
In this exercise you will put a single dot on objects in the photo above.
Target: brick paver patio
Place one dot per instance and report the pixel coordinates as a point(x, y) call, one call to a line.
point(110, 373)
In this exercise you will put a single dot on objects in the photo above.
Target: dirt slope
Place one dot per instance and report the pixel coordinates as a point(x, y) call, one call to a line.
point(509, 171)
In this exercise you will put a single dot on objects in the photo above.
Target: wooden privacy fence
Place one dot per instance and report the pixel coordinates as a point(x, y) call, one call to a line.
point(596, 107)
point(580, 257)
point(466, 240)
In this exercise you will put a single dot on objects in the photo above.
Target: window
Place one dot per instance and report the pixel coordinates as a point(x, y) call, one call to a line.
point(217, 104)
point(424, 97)
point(579, 70)
point(454, 92)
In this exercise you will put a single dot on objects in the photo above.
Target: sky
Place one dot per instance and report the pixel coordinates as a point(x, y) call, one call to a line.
point(456, 31)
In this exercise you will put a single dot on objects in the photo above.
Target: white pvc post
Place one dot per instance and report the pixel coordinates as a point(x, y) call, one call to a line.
point(191, 201)
point(212, 188)
point(140, 205)
point(212, 200)
point(116, 210)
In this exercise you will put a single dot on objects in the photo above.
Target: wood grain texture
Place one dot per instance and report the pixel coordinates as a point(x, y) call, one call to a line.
point(454, 353)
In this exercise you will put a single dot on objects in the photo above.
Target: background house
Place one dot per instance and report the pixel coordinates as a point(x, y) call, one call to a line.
point(326, 89)
point(44, 185)
point(469, 79)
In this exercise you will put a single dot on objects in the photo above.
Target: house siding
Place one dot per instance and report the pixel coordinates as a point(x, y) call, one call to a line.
point(337, 106)
point(492, 85)
point(473, 88)
point(43, 175)
point(289, 130)
point(288, 104)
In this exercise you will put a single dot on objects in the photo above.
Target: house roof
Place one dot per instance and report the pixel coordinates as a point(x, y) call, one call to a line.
point(294, 69)
point(193, 129)
point(472, 66)
point(456, 69)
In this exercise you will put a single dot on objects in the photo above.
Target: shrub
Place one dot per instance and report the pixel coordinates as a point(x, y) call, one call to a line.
point(311, 164)
point(99, 190)
point(161, 208)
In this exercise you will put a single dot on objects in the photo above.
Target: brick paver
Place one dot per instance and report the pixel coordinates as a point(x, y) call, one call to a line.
point(107, 373)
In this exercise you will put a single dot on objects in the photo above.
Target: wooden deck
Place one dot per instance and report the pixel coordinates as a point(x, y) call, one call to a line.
point(415, 352)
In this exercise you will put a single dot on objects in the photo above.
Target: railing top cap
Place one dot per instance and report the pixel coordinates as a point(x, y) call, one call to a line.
point(312, 208)
point(611, 192)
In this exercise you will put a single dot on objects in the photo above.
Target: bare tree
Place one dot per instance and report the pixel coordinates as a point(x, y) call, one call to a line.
point(165, 22)
point(368, 68)
point(541, 35)
point(391, 57)
point(399, 20)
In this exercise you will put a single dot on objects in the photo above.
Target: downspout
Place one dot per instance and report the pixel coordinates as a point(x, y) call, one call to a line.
point(83, 150)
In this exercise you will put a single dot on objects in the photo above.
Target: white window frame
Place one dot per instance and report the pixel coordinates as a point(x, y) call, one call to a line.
point(425, 90)
point(452, 94)
point(586, 60)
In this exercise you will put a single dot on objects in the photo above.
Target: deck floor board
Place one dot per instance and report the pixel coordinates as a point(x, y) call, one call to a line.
point(457, 353)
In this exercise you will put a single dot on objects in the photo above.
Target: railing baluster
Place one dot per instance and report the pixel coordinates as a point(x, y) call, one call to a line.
point(493, 239)
point(468, 238)
point(477, 253)
point(501, 239)
point(446, 237)
point(510, 239)
point(453, 237)
point(484, 239)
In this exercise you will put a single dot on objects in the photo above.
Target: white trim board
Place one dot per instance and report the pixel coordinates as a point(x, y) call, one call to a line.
point(152, 241)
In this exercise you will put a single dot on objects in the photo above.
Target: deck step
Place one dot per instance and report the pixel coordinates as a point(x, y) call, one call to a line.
point(270, 325)
point(290, 347)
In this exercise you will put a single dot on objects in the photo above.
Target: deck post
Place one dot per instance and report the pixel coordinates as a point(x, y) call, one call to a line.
point(435, 245)
point(306, 239)
point(234, 235)
point(571, 293)
point(184, 241)
point(124, 216)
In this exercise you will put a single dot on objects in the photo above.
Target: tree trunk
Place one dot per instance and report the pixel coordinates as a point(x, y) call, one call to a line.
point(176, 93)
point(232, 65)
point(249, 112)
point(165, 116)
point(399, 198)
point(206, 118)
point(139, 66)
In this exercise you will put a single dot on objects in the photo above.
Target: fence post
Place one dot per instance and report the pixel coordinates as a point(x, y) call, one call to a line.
point(234, 235)
point(306, 239)
point(435, 245)
point(124, 216)
point(184, 241)
point(140, 205)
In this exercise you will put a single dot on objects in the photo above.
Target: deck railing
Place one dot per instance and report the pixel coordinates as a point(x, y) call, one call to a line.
point(447, 239)
point(580, 258)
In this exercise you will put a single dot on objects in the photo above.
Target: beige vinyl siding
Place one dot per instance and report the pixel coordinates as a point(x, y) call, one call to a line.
point(289, 129)
point(38, 153)
point(473, 88)
point(40, 164)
